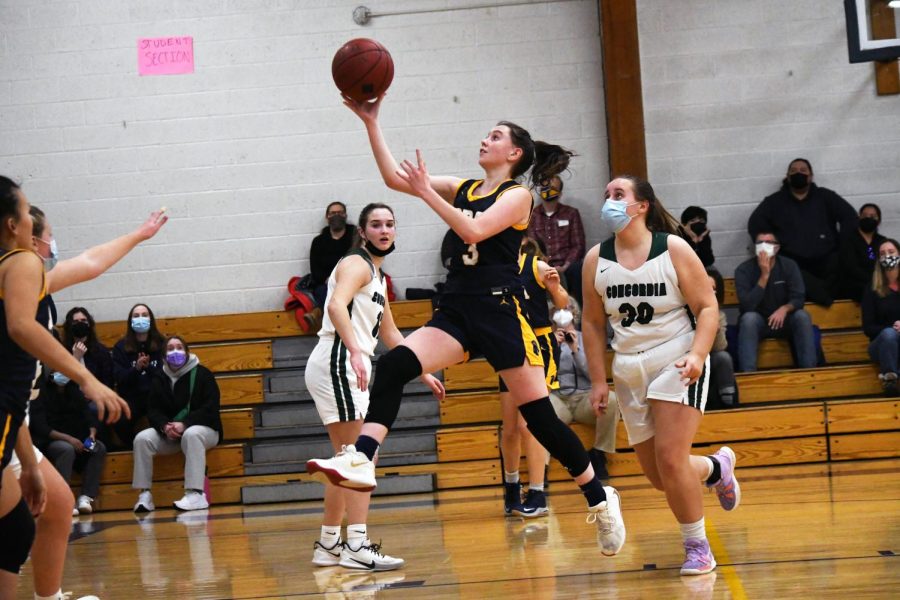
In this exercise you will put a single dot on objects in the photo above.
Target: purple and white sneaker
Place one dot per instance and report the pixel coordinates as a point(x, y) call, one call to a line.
point(727, 488)
point(698, 558)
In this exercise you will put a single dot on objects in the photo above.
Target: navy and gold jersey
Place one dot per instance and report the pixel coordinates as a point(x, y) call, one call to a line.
point(536, 309)
point(491, 263)
point(19, 367)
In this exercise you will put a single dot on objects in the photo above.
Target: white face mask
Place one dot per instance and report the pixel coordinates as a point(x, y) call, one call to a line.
point(767, 247)
point(563, 317)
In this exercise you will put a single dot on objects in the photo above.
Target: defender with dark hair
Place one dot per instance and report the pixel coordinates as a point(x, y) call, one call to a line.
point(649, 285)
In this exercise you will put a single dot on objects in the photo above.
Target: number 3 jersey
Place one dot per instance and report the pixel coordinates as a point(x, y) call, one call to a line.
point(491, 263)
point(366, 308)
point(645, 306)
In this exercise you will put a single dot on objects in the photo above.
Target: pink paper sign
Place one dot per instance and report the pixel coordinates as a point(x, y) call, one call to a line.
point(165, 56)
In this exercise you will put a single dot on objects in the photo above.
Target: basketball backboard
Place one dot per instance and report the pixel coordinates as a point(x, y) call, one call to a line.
point(862, 44)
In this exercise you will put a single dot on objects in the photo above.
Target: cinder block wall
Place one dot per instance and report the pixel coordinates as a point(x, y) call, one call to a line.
point(248, 150)
point(733, 91)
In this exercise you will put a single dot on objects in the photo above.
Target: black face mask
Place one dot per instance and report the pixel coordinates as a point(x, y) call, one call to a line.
point(798, 181)
point(80, 329)
point(698, 227)
point(337, 222)
point(374, 251)
point(868, 224)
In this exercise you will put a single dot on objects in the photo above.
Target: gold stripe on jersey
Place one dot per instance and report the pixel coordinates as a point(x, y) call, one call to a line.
point(550, 368)
point(537, 274)
point(43, 273)
point(542, 331)
point(529, 340)
point(471, 197)
point(5, 437)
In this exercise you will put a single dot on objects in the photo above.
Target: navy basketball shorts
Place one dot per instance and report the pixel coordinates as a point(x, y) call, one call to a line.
point(489, 326)
point(549, 348)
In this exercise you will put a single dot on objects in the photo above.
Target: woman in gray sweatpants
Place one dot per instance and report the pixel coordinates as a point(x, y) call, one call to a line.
point(183, 410)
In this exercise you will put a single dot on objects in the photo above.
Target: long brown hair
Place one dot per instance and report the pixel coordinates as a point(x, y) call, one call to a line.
point(155, 339)
point(69, 339)
point(879, 277)
point(545, 160)
point(658, 218)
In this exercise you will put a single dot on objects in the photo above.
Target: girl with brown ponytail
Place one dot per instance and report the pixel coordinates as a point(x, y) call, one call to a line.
point(480, 310)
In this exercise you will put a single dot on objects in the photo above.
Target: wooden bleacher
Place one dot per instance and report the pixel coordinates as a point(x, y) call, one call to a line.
point(787, 415)
point(238, 348)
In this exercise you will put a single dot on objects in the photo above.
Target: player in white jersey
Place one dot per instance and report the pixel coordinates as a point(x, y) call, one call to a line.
point(337, 374)
point(651, 286)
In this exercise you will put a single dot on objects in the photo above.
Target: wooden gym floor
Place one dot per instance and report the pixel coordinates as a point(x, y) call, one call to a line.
point(813, 531)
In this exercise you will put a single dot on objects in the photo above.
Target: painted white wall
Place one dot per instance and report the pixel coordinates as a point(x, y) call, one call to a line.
point(248, 150)
point(734, 90)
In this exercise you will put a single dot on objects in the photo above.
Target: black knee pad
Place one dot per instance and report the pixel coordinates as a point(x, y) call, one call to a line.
point(17, 531)
point(393, 371)
point(554, 435)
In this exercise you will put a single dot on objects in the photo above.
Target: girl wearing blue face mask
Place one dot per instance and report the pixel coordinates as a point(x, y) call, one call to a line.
point(136, 357)
point(664, 316)
point(183, 410)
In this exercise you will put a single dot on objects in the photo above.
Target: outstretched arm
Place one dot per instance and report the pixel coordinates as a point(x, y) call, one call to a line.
point(387, 166)
point(21, 289)
point(95, 261)
point(511, 208)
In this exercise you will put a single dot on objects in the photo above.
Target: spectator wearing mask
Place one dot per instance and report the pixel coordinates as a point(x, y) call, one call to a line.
point(80, 337)
point(572, 401)
point(770, 294)
point(881, 315)
point(808, 220)
point(558, 227)
point(328, 248)
point(693, 221)
point(722, 384)
point(859, 253)
point(65, 429)
point(136, 357)
point(183, 410)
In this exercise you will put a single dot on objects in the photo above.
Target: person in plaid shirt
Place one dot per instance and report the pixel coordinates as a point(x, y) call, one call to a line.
point(559, 227)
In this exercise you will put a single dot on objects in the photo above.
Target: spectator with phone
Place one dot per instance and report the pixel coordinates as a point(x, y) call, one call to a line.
point(65, 429)
point(572, 401)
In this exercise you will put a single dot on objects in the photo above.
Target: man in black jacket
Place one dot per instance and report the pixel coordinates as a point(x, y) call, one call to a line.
point(808, 221)
point(328, 248)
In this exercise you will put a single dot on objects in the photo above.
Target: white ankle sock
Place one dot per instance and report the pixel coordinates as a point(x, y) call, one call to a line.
point(511, 477)
point(57, 596)
point(693, 531)
point(356, 533)
point(330, 535)
point(537, 488)
point(709, 469)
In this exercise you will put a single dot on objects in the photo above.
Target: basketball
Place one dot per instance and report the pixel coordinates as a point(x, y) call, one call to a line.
point(362, 69)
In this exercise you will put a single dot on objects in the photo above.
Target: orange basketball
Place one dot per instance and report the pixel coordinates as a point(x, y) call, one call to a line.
point(362, 69)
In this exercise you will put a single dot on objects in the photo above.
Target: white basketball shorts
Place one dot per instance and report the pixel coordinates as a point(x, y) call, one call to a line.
point(653, 374)
point(332, 383)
